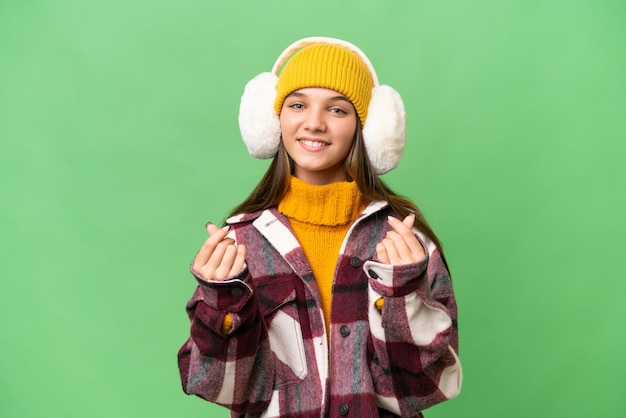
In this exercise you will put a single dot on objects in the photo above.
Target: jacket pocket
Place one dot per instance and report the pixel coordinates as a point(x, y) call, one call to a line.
point(279, 309)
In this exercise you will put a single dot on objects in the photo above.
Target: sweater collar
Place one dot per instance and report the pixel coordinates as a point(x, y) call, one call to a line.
point(330, 204)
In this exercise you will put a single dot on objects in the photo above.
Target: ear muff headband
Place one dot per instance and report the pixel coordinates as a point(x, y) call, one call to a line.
point(294, 47)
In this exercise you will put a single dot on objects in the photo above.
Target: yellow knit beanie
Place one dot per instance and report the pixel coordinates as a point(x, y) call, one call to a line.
point(330, 66)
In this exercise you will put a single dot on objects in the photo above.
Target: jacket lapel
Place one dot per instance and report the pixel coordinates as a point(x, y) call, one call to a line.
point(275, 228)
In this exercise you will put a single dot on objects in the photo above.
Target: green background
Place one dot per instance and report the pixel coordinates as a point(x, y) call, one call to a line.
point(119, 141)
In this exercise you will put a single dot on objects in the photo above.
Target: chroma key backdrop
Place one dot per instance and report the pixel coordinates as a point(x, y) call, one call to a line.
point(119, 141)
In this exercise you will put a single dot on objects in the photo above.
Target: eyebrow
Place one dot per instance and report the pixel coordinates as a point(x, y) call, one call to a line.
point(334, 98)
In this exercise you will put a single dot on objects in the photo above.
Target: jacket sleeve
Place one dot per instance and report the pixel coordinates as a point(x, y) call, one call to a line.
point(235, 369)
point(414, 338)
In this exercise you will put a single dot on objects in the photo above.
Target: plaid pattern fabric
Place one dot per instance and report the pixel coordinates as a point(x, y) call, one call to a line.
point(276, 360)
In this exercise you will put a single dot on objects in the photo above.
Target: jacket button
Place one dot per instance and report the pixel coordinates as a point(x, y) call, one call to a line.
point(343, 409)
point(344, 330)
point(237, 291)
point(372, 274)
point(355, 261)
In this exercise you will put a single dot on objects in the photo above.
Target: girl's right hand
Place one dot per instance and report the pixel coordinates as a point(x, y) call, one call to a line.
point(219, 258)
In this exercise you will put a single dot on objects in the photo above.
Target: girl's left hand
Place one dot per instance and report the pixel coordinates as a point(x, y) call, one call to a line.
point(400, 246)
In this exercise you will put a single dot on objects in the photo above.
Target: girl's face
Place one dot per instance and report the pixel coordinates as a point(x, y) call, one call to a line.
point(318, 127)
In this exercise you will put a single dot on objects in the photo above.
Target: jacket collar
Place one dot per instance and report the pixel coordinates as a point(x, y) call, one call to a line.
point(252, 216)
point(275, 227)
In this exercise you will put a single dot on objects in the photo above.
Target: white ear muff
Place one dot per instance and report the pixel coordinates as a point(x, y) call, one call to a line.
point(258, 123)
point(384, 132)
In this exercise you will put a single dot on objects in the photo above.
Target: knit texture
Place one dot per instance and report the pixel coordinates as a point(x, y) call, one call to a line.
point(320, 217)
point(328, 66)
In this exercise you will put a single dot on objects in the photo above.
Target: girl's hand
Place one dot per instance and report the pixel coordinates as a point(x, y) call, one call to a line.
point(400, 246)
point(219, 257)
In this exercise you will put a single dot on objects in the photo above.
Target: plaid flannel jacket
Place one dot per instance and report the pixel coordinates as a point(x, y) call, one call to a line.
point(277, 360)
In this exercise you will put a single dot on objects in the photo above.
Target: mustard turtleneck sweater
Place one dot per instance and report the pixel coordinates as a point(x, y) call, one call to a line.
point(320, 217)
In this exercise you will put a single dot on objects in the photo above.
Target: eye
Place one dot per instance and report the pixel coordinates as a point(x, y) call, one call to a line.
point(297, 106)
point(338, 111)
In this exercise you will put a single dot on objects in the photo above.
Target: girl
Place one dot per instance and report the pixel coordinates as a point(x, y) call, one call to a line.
point(326, 294)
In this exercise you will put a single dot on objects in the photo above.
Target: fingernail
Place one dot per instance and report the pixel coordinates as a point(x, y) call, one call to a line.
point(226, 228)
point(206, 225)
point(390, 218)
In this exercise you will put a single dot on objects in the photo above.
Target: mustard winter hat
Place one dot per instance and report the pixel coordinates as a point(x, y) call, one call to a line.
point(330, 66)
point(327, 63)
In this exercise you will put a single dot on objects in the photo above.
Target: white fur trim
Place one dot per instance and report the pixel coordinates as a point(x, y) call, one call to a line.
point(258, 123)
point(384, 132)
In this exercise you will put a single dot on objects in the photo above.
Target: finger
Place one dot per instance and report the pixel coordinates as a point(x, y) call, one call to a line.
point(209, 246)
point(211, 228)
point(226, 263)
point(216, 257)
point(228, 241)
point(401, 246)
point(203, 255)
point(409, 220)
point(208, 271)
point(392, 253)
point(407, 234)
point(239, 262)
point(400, 226)
point(381, 253)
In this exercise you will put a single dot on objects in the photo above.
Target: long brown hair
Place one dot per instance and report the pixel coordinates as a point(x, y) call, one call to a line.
point(272, 187)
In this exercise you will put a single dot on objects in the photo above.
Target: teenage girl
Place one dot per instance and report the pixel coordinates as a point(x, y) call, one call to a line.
point(326, 294)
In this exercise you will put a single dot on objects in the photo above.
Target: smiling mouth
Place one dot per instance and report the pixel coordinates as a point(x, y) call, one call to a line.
point(313, 143)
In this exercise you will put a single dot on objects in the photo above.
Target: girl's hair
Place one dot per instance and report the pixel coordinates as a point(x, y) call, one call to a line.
point(272, 187)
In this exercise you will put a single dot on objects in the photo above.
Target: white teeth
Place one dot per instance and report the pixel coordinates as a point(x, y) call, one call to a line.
point(314, 144)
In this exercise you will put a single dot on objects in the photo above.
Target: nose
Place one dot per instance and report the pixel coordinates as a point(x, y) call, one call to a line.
point(315, 121)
